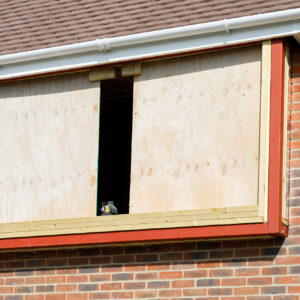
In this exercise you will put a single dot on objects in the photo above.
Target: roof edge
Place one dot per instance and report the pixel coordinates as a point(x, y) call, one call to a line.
point(107, 50)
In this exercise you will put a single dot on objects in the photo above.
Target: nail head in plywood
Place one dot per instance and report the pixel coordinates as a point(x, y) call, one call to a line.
point(102, 74)
point(131, 70)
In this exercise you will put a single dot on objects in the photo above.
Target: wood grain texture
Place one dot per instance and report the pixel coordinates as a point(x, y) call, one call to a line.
point(49, 148)
point(196, 124)
point(174, 219)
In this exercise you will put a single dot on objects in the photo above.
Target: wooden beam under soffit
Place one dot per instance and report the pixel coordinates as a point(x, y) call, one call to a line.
point(113, 73)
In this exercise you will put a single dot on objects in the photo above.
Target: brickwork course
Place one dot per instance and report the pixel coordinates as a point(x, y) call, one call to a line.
point(245, 269)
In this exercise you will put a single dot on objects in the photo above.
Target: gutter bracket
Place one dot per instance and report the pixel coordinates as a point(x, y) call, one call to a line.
point(226, 26)
point(103, 44)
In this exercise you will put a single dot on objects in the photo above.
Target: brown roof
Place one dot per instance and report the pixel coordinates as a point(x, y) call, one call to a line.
point(34, 24)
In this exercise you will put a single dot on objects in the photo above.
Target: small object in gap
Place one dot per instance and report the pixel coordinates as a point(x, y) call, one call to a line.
point(108, 208)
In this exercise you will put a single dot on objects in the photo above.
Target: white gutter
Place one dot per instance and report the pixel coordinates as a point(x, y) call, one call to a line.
point(199, 36)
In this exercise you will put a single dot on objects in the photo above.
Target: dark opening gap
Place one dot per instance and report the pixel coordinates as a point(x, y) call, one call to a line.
point(116, 102)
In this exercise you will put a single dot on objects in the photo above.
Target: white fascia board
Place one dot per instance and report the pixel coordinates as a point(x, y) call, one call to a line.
point(147, 45)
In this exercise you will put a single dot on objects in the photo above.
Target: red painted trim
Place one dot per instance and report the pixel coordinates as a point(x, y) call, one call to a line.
point(273, 227)
point(137, 236)
point(276, 137)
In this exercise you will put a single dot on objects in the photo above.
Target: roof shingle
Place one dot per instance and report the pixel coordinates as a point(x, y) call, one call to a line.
point(35, 24)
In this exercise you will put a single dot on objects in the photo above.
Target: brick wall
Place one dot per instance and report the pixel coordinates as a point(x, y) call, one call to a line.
point(238, 270)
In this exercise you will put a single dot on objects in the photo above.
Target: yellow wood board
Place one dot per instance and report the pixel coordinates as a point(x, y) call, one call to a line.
point(264, 130)
point(174, 219)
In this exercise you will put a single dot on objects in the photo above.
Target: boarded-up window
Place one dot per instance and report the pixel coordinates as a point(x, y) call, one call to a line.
point(49, 148)
point(196, 132)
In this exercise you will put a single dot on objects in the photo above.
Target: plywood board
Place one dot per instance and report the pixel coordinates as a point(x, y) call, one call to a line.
point(49, 148)
point(195, 139)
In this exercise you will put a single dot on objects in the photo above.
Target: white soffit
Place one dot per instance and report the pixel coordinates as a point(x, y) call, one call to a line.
point(150, 44)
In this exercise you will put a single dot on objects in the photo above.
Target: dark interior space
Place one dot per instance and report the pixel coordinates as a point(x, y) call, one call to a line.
point(115, 143)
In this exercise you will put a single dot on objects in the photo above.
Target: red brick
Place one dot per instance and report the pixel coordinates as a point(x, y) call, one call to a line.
point(220, 291)
point(133, 268)
point(233, 281)
point(112, 268)
point(66, 287)
point(233, 298)
point(209, 264)
point(183, 266)
point(294, 144)
point(76, 296)
point(35, 297)
point(247, 252)
point(35, 280)
point(170, 275)
point(171, 256)
point(247, 272)
point(43, 272)
point(294, 221)
point(56, 279)
point(77, 278)
point(14, 281)
point(101, 295)
point(274, 271)
point(295, 97)
point(195, 274)
point(286, 297)
point(287, 260)
point(170, 293)
point(235, 244)
point(158, 266)
point(111, 286)
point(221, 273)
point(259, 262)
point(146, 276)
point(295, 88)
point(100, 277)
point(24, 289)
point(158, 284)
point(195, 292)
point(134, 285)
point(294, 289)
point(246, 291)
point(78, 261)
point(183, 283)
point(56, 297)
point(66, 271)
point(120, 295)
point(183, 246)
point(6, 290)
point(295, 125)
point(145, 294)
point(100, 260)
point(287, 279)
point(123, 259)
point(259, 281)
point(273, 290)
